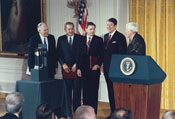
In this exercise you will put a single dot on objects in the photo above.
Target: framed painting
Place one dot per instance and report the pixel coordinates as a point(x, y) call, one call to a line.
point(18, 22)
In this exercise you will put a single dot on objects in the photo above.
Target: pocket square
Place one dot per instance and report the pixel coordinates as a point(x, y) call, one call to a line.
point(114, 42)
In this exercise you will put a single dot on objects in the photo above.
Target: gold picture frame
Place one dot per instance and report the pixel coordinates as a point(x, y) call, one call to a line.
point(20, 24)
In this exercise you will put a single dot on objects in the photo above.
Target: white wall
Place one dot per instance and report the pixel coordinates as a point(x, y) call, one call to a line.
point(99, 11)
point(11, 70)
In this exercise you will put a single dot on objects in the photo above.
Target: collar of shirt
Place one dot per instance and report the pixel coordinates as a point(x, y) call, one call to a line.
point(72, 37)
point(113, 33)
point(132, 36)
point(42, 39)
point(16, 114)
point(88, 37)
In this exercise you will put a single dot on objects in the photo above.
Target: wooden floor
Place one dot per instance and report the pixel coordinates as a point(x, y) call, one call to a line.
point(103, 109)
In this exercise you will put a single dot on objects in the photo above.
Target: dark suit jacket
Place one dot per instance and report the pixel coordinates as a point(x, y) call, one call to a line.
point(117, 45)
point(67, 55)
point(9, 116)
point(51, 56)
point(95, 49)
point(137, 46)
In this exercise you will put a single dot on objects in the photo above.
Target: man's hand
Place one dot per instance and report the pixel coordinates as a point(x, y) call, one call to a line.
point(79, 73)
point(74, 68)
point(95, 67)
point(66, 68)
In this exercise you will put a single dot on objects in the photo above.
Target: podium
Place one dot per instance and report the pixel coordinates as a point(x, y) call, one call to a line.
point(137, 82)
point(39, 88)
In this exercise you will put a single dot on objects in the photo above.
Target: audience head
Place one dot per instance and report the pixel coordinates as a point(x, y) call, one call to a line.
point(90, 28)
point(14, 102)
point(131, 28)
point(84, 112)
point(111, 25)
point(69, 28)
point(43, 29)
point(169, 115)
point(44, 111)
point(121, 113)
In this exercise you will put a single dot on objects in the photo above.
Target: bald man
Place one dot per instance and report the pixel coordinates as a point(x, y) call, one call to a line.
point(121, 113)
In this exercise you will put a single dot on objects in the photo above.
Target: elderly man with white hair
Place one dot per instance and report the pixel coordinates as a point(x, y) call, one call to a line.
point(43, 37)
point(84, 112)
point(13, 103)
point(136, 42)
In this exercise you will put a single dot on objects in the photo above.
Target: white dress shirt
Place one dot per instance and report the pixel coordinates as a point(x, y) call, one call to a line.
point(42, 39)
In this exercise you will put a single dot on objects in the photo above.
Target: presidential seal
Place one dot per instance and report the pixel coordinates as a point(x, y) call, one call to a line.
point(127, 66)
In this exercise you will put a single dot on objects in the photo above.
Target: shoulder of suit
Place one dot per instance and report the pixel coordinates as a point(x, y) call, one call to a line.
point(79, 36)
point(119, 33)
point(35, 36)
point(62, 37)
point(8, 115)
point(98, 37)
point(50, 35)
point(106, 34)
point(139, 37)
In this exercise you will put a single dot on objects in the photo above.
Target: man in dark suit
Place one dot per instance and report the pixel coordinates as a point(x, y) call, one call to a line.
point(136, 42)
point(114, 43)
point(68, 49)
point(92, 58)
point(44, 111)
point(43, 38)
point(13, 103)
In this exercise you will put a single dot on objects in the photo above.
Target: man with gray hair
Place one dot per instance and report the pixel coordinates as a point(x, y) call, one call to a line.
point(84, 112)
point(169, 115)
point(136, 42)
point(43, 37)
point(13, 104)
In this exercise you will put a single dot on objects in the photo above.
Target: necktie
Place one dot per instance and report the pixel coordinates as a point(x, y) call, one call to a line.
point(45, 41)
point(88, 43)
point(70, 42)
point(109, 38)
point(130, 41)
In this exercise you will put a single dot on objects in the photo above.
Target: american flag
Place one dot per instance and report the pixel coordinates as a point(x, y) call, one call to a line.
point(82, 21)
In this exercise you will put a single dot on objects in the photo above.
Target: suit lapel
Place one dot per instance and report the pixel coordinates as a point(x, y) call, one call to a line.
point(134, 39)
point(92, 41)
point(73, 44)
point(65, 41)
point(49, 43)
point(113, 37)
point(39, 39)
point(106, 38)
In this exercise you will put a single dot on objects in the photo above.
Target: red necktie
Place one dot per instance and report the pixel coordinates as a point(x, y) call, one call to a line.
point(88, 44)
point(109, 38)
